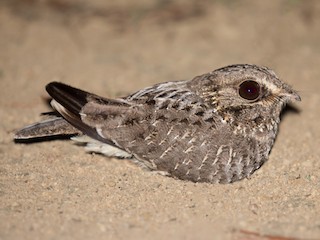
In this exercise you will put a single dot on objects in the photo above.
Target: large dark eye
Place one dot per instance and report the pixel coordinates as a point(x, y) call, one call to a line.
point(249, 90)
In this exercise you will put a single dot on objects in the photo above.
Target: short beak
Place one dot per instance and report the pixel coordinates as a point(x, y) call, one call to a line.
point(291, 96)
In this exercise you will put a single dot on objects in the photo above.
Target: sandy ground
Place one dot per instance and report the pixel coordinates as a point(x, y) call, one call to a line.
point(53, 190)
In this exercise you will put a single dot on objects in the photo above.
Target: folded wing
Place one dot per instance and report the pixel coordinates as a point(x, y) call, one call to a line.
point(72, 103)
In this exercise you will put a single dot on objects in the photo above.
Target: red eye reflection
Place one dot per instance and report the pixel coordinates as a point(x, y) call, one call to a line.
point(249, 90)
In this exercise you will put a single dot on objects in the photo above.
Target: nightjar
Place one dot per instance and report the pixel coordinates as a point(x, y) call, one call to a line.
point(217, 127)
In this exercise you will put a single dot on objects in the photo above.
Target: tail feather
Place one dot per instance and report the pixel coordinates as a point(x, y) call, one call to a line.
point(69, 103)
point(56, 126)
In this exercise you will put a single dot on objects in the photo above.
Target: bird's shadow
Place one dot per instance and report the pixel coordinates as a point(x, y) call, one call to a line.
point(288, 110)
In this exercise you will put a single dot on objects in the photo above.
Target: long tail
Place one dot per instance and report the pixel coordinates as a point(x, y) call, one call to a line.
point(68, 102)
point(55, 126)
point(67, 123)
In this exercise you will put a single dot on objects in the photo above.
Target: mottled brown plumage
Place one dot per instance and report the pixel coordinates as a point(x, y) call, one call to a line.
point(217, 127)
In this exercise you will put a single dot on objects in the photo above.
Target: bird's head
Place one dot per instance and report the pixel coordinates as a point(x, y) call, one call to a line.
point(245, 88)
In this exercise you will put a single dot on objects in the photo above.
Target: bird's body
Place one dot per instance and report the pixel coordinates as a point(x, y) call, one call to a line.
point(217, 127)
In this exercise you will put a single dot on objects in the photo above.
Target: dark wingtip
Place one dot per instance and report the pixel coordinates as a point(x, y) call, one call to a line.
point(69, 97)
